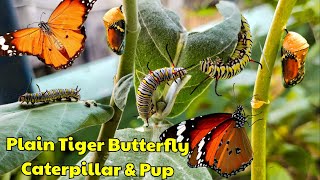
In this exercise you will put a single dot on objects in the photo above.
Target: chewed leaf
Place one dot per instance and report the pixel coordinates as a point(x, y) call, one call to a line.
point(121, 91)
point(48, 121)
point(161, 27)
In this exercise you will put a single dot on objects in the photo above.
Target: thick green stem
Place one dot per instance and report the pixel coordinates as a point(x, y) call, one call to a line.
point(261, 89)
point(125, 67)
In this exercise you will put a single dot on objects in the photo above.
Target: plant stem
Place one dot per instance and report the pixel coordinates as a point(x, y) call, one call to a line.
point(261, 89)
point(125, 67)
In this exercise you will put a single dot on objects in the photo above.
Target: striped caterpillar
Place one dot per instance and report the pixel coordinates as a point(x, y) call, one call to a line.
point(237, 61)
point(50, 95)
point(150, 83)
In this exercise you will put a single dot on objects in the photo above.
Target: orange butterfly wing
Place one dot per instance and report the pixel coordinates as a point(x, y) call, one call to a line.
point(235, 153)
point(58, 42)
point(70, 14)
point(22, 42)
point(226, 149)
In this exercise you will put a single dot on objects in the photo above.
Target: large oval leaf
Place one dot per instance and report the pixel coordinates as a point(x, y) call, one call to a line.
point(179, 163)
point(160, 27)
point(48, 121)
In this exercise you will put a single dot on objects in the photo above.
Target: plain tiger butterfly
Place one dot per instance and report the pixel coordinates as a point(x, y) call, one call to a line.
point(218, 141)
point(57, 42)
point(293, 53)
point(241, 55)
point(115, 29)
point(150, 83)
point(50, 95)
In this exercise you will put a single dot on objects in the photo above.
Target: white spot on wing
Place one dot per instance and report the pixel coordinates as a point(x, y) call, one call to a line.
point(199, 155)
point(4, 47)
point(180, 138)
point(200, 145)
point(2, 40)
point(181, 129)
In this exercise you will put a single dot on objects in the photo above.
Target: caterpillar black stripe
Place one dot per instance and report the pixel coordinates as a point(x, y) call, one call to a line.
point(50, 95)
point(237, 61)
point(150, 83)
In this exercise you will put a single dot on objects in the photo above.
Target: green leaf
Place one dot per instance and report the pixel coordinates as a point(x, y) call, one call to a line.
point(121, 91)
point(48, 121)
point(179, 163)
point(160, 27)
point(276, 172)
point(297, 157)
point(309, 133)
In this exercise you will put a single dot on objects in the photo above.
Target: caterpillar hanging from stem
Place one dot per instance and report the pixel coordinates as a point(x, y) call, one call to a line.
point(236, 63)
point(50, 95)
point(150, 83)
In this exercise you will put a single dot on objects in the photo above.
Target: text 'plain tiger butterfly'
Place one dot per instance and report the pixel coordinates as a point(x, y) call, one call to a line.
point(115, 29)
point(294, 52)
point(218, 141)
point(56, 42)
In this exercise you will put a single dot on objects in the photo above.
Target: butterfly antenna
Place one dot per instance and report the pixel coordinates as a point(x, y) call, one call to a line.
point(215, 87)
point(31, 24)
point(199, 84)
point(245, 100)
point(286, 30)
point(251, 115)
point(169, 55)
point(41, 15)
point(120, 8)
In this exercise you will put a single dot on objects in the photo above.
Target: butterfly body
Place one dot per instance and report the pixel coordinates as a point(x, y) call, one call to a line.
point(218, 141)
point(57, 42)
